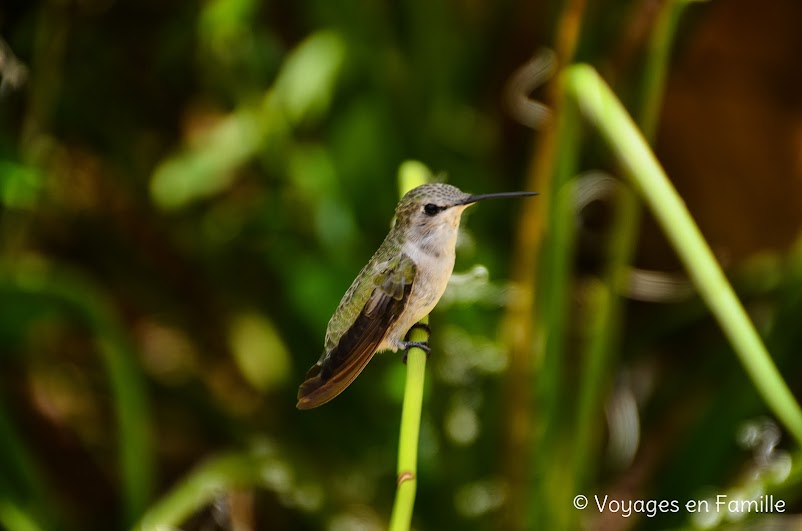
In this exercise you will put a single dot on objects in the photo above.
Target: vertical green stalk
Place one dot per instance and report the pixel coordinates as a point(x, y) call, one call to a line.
point(653, 80)
point(411, 174)
point(608, 115)
point(524, 326)
point(555, 294)
point(22, 487)
point(125, 380)
point(605, 302)
point(410, 429)
point(603, 325)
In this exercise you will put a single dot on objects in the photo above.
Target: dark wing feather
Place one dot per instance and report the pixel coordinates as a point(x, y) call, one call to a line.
point(331, 375)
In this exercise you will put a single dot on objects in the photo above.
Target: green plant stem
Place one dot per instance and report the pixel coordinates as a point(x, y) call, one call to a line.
point(555, 294)
point(22, 485)
point(116, 354)
point(603, 324)
point(411, 175)
point(604, 319)
point(410, 430)
point(528, 389)
point(608, 115)
point(653, 80)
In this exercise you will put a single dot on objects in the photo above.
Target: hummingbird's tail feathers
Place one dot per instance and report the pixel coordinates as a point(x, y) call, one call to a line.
point(339, 367)
point(318, 389)
point(311, 384)
point(313, 371)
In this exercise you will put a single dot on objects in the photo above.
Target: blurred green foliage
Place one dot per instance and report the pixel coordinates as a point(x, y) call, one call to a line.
point(188, 188)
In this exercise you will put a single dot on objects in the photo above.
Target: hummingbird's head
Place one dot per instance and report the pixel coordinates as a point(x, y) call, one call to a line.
point(431, 212)
point(431, 207)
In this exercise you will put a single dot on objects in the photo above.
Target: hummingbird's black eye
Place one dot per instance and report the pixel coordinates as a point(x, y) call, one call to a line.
point(431, 209)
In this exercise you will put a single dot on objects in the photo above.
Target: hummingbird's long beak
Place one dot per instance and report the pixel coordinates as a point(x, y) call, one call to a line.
point(475, 198)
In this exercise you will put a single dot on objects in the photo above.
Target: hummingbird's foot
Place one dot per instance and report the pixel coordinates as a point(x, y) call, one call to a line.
point(423, 345)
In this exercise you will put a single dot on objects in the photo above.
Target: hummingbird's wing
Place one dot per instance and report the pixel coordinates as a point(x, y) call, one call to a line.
point(336, 370)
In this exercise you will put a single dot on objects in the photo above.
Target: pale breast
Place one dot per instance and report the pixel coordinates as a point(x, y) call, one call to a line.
point(431, 278)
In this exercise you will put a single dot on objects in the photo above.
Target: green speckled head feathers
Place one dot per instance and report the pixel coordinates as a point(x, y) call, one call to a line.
point(439, 195)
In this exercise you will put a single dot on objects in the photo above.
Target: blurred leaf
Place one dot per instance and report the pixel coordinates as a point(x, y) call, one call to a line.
point(305, 85)
point(20, 185)
point(15, 519)
point(302, 92)
point(208, 168)
point(259, 351)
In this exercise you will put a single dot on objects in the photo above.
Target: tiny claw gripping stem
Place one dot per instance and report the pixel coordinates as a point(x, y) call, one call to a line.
point(424, 346)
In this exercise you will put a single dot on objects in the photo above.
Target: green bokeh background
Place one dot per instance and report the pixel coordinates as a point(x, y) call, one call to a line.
point(188, 188)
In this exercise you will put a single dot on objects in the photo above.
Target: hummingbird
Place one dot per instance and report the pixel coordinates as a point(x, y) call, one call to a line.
point(400, 285)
